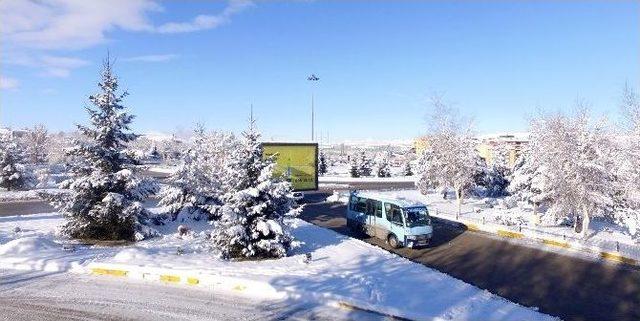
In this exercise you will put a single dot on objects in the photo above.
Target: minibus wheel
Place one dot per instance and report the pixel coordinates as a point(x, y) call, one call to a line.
point(393, 241)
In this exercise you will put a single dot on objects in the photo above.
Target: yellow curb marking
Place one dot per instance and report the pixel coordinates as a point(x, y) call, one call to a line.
point(170, 278)
point(111, 272)
point(555, 243)
point(472, 227)
point(510, 234)
point(239, 287)
point(617, 258)
point(193, 281)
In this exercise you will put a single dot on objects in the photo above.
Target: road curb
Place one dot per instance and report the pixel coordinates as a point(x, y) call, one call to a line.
point(239, 286)
point(490, 229)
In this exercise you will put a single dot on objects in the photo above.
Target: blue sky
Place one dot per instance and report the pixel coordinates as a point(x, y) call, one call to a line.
point(378, 62)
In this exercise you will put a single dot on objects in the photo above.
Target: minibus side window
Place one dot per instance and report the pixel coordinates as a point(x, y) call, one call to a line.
point(394, 214)
point(377, 205)
point(361, 205)
point(387, 210)
point(353, 202)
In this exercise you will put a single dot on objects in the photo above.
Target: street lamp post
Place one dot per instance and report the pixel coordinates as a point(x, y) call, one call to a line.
point(313, 78)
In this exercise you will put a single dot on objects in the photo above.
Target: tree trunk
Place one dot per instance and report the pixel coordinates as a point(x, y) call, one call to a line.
point(585, 223)
point(535, 214)
point(459, 199)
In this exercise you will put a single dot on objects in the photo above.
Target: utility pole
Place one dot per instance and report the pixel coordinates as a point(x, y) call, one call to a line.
point(313, 78)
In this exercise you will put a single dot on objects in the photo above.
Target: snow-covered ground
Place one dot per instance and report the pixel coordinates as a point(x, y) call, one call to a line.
point(344, 170)
point(603, 235)
point(341, 268)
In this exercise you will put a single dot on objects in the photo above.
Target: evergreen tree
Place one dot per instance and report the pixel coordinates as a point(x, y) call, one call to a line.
point(354, 170)
point(322, 164)
point(106, 195)
point(254, 205)
point(364, 167)
point(407, 170)
point(194, 189)
point(14, 175)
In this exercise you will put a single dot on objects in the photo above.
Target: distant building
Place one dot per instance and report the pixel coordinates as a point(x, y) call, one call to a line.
point(488, 145)
point(513, 144)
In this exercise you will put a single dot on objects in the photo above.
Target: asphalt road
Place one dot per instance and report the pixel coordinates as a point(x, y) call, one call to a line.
point(41, 296)
point(572, 288)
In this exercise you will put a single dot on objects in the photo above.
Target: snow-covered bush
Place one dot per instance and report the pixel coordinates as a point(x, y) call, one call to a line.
point(106, 195)
point(14, 174)
point(254, 205)
point(450, 160)
point(195, 188)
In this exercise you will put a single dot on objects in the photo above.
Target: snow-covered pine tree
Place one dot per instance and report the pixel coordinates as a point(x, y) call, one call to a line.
point(576, 157)
point(36, 143)
point(407, 170)
point(383, 166)
point(450, 160)
point(14, 174)
point(354, 170)
point(322, 164)
point(364, 167)
point(255, 205)
point(106, 195)
point(496, 180)
point(195, 188)
point(527, 183)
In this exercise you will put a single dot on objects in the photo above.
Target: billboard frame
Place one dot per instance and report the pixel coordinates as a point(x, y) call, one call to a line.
point(315, 145)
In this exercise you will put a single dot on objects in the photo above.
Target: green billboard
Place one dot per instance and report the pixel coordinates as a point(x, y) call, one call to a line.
point(297, 162)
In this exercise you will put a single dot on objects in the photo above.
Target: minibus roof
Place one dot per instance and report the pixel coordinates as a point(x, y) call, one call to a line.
point(398, 201)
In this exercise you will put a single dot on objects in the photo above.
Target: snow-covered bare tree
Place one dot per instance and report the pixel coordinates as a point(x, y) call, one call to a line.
point(450, 160)
point(36, 142)
point(255, 205)
point(383, 165)
point(106, 196)
point(195, 188)
point(627, 164)
point(576, 157)
point(14, 174)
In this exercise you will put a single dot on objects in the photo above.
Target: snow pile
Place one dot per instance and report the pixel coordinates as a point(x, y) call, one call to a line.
point(340, 269)
point(28, 246)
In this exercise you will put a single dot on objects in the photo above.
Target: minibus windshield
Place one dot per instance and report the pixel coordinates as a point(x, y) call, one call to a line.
point(416, 217)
